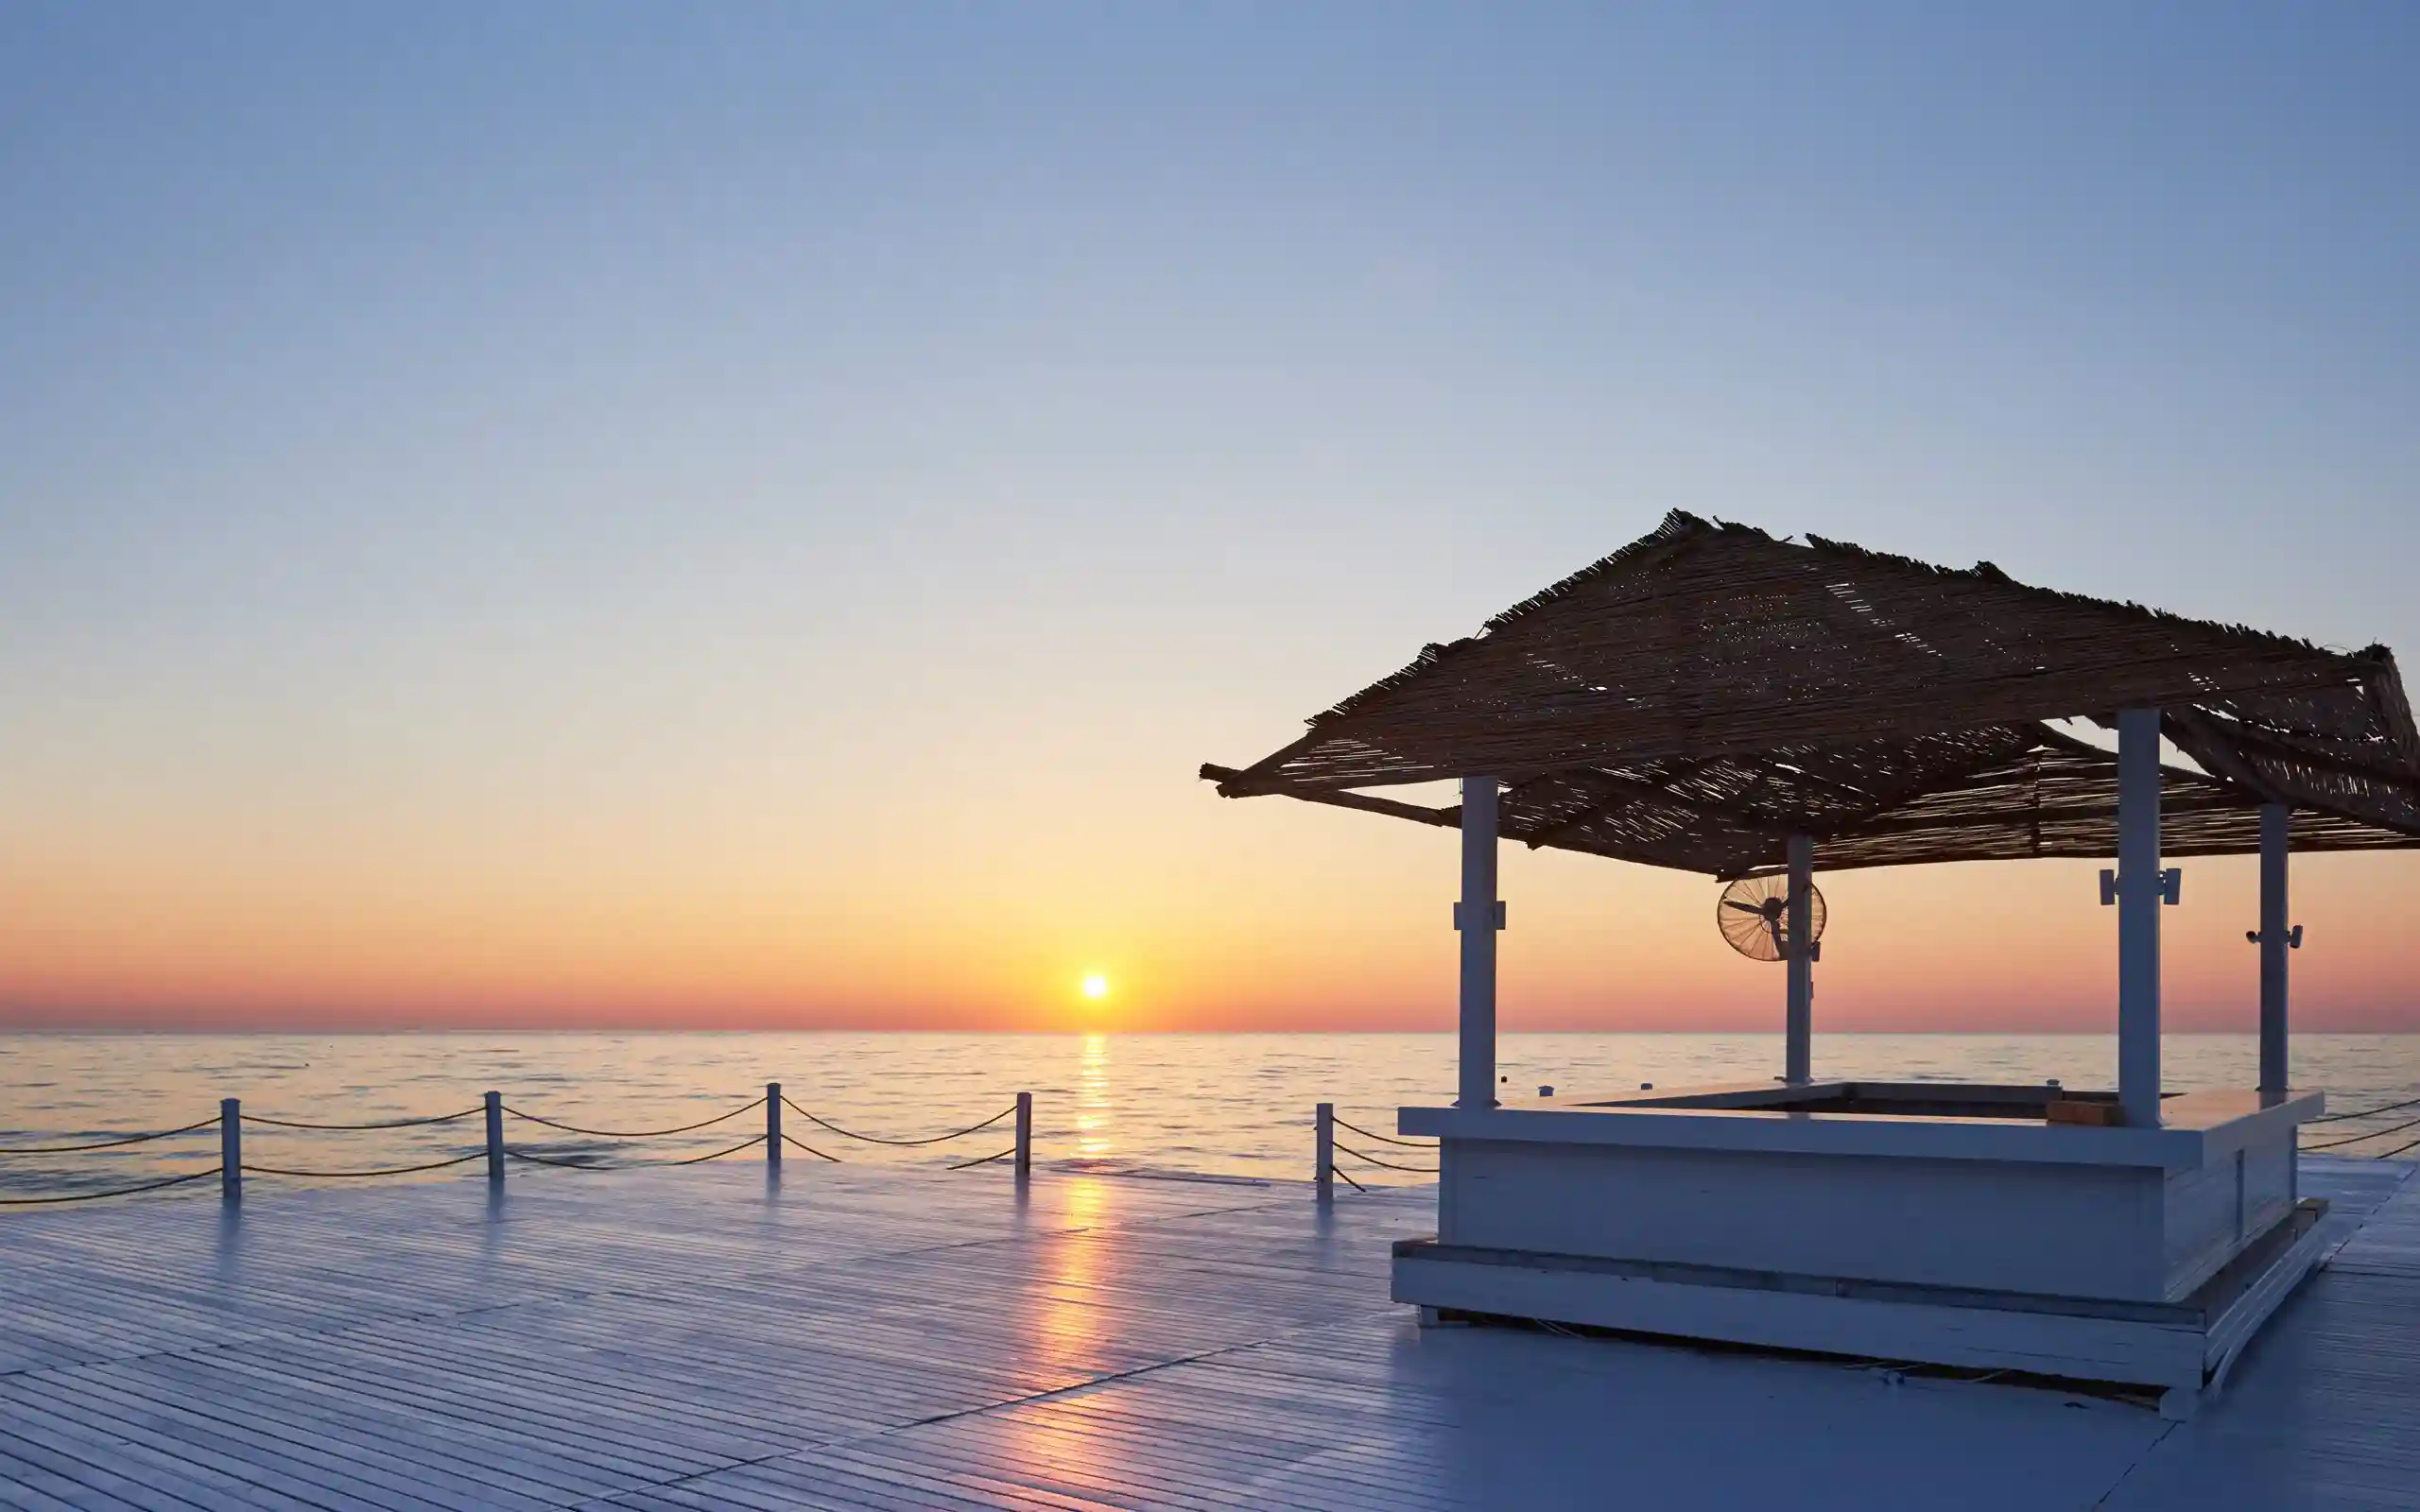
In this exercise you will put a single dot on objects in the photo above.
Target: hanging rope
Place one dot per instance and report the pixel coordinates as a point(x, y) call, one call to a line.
point(352, 1129)
point(115, 1192)
point(969, 1165)
point(633, 1165)
point(2399, 1150)
point(1383, 1139)
point(876, 1139)
point(347, 1176)
point(2366, 1112)
point(638, 1133)
point(2355, 1139)
point(105, 1144)
point(1346, 1179)
point(801, 1144)
point(1415, 1170)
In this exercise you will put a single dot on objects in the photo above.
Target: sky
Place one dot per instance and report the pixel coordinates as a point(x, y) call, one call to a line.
point(752, 515)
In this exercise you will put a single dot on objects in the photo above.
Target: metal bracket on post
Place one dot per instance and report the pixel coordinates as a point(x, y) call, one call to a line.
point(2171, 887)
point(1324, 1159)
point(2293, 937)
point(494, 1106)
point(1499, 915)
point(230, 1148)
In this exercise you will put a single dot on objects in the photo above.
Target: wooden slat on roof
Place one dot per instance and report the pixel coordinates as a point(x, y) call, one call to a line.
point(1709, 689)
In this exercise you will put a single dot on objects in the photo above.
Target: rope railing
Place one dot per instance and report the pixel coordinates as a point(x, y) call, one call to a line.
point(1383, 1139)
point(634, 1133)
point(969, 1165)
point(774, 1141)
point(797, 1143)
point(1386, 1165)
point(2366, 1112)
point(356, 1128)
point(748, 1144)
point(2355, 1139)
point(348, 1175)
point(876, 1139)
point(105, 1144)
point(232, 1120)
point(114, 1191)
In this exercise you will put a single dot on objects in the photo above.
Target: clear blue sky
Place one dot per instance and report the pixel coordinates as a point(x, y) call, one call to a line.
point(656, 439)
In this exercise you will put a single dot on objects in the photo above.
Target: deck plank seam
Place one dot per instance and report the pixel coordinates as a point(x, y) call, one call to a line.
point(1008, 1404)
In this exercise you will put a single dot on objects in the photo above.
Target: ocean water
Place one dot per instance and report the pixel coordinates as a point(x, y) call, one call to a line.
point(1209, 1105)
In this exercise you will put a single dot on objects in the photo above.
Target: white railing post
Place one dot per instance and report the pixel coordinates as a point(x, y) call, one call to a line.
point(1024, 1135)
point(1325, 1143)
point(774, 1124)
point(230, 1148)
point(494, 1102)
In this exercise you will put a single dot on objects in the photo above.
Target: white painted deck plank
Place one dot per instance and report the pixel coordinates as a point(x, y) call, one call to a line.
point(698, 1340)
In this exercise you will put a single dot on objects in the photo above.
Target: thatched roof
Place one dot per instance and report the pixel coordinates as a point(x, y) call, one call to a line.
point(1706, 690)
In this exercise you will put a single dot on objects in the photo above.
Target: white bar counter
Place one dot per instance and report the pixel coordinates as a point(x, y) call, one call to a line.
point(1964, 1198)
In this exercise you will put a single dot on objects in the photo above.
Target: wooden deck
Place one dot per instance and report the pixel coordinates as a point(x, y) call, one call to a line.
point(867, 1338)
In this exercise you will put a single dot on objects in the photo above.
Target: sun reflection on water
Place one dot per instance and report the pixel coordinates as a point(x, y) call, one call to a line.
point(1093, 1140)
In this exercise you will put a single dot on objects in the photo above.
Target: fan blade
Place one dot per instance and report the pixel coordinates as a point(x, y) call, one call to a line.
point(1745, 908)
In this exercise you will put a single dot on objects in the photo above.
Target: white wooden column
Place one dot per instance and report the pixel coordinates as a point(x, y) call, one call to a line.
point(1798, 1024)
point(2138, 906)
point(2276, 938)
point(1478, 916)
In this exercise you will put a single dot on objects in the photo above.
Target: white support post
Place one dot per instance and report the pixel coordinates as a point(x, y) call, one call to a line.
point(1024, 1135)
point(495, 1103)
point(1799, 1022)
point(1478, 916)
point(2139, 892)
point(773, 1126)
point(230, 1148)
point(1324, 1159)
point(2276, 938)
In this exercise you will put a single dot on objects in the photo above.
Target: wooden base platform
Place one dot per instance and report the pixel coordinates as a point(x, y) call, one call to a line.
point(2178, 1348)
point(704, 1341)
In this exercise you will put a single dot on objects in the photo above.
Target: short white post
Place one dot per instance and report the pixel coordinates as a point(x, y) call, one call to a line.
point(1323, 1169)
point(2139, 892)
point(2276, 938)
point(495, 1136)
point(774, 1124)
point(230, 1148)
point(1479, 916)
point(1798, 1024)
point(1024, 1135)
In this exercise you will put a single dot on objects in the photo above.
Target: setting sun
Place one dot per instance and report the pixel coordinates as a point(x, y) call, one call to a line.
point(1096, 986)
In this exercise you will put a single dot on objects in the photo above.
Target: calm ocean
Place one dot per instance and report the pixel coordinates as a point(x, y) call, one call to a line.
point(1212, 1105)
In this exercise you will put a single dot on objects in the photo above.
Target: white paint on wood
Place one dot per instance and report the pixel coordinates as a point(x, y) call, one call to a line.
point(2138, 904)
point(1798, 1049)
point(2274, 941)
point(1478, 920)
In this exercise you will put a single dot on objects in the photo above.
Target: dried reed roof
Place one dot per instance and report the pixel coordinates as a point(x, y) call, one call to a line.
point(1708, 690)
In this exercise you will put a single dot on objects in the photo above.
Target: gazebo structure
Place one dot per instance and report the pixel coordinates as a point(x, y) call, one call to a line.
point(1713, 699)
